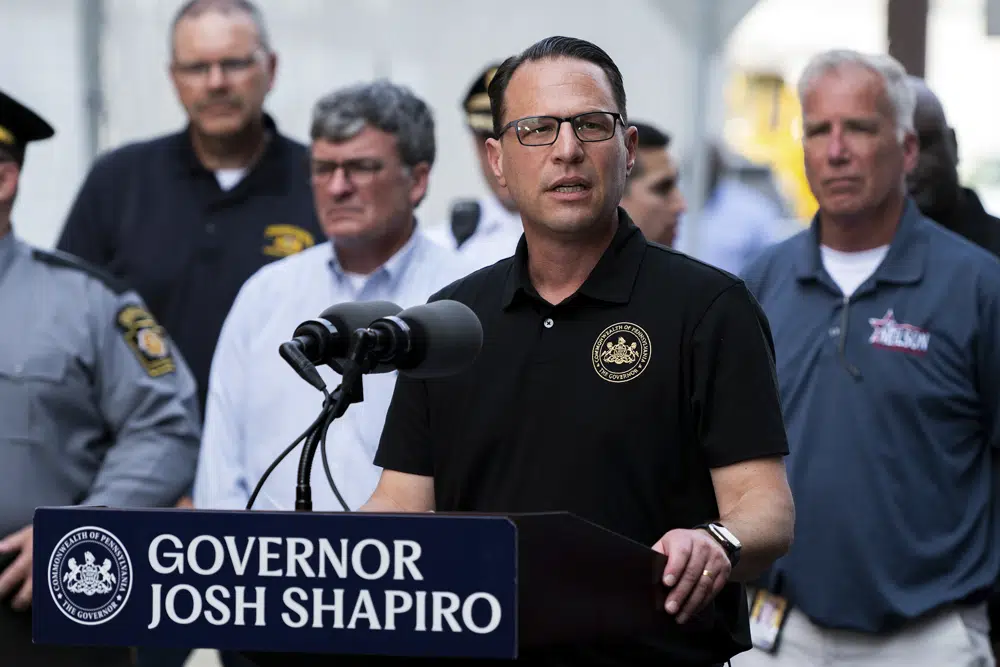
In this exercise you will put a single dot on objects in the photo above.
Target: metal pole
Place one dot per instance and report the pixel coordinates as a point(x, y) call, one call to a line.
point(706, 44)
point(907, 22)
point(92, 31)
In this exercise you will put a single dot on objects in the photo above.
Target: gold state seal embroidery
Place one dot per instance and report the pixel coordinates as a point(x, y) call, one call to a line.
point(286, 240)
point(143, 334)
point(621, 353)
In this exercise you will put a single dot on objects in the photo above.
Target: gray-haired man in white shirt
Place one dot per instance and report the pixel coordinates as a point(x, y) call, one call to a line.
point(371, 156)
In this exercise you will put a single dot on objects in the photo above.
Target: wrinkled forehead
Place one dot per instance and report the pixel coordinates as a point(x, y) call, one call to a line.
point(558, 87)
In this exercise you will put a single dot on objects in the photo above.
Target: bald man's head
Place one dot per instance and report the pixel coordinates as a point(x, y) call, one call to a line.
point(934, 183)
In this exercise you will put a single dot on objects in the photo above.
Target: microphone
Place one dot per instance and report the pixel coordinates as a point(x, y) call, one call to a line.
point(432, 340)
point(325, 340)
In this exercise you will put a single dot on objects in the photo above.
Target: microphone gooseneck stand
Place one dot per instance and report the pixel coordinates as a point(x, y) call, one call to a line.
point(350, 391)
point(333, 408)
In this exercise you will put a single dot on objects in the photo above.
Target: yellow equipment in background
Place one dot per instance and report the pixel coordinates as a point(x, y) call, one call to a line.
point(764, 124)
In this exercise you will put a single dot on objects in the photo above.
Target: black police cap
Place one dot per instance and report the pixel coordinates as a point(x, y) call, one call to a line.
point(477, 102)
point(19, 125)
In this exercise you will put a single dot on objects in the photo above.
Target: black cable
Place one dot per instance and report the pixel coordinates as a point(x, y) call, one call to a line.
point(317, 440)
point(326, 462)
point(303, 491)
point(312, 428)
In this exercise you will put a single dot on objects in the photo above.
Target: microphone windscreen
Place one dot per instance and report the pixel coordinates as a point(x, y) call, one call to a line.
point(447, 338)
point(347, 318)
point(350, 316)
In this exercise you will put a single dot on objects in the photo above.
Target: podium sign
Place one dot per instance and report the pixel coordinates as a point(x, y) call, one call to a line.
point(376, 584)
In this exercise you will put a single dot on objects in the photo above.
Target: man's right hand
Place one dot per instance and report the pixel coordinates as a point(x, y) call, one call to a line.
point(17, 575)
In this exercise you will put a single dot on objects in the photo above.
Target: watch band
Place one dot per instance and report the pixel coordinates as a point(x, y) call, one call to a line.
point(732, 551)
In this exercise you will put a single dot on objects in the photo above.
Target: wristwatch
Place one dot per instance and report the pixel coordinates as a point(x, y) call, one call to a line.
point(724, 537)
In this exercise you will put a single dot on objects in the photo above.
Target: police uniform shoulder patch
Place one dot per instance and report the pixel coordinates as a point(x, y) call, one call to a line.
point(621, 352)
point(147, 340)
point(65, 260)
point(286, 240)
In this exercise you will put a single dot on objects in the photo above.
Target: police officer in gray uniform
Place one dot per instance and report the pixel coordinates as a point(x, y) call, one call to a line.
point(95, 407)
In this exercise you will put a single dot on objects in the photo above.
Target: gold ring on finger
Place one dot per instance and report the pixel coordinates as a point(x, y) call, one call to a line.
point(706, 573)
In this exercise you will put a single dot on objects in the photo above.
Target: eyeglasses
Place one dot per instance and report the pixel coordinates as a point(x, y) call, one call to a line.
point(359, 172)
point(544, 130)
point(229, 66)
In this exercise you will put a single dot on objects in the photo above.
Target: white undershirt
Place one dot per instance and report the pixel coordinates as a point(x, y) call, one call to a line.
point(850, 269)
point(357, 280)
point(229, 178)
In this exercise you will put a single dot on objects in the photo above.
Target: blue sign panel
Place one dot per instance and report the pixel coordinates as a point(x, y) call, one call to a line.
point(403, 585)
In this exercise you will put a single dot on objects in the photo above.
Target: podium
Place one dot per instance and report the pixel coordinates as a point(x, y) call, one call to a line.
point(271, 584)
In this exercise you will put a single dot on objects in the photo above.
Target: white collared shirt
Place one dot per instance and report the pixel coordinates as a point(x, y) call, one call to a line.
point(257, 405)
point(495, 238)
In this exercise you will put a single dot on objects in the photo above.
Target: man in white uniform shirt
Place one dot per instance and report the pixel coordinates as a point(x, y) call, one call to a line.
point(487, 229)
point(370, 159)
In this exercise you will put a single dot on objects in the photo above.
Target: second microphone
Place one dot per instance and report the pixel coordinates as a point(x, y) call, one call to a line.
point(436, 339)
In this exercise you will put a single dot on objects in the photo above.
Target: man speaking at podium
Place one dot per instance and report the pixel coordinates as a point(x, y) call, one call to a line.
point(621, 381)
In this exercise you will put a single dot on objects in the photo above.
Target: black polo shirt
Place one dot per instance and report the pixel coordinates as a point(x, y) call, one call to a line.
point(613, 405)
point(151, 214)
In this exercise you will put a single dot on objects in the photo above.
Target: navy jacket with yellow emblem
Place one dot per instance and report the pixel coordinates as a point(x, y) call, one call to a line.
point(154, 217)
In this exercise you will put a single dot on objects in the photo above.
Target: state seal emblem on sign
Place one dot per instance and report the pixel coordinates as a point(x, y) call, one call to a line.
point(621, 353)
point(90, 575)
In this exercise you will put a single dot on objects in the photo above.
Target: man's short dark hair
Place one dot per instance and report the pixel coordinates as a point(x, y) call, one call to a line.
point(649, 137)
point(554, 47)
point(195, 8)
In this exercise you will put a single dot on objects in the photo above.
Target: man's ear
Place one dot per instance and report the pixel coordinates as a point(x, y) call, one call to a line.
point(631, 148)
point(911, 152)
point(421, 174)
point(494, 153)
point(272, 70)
